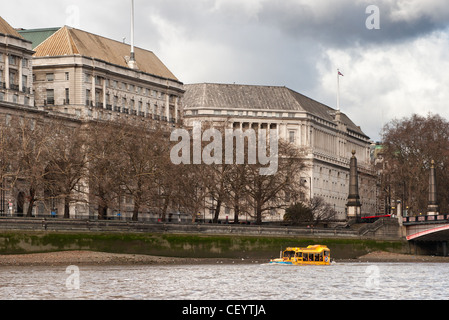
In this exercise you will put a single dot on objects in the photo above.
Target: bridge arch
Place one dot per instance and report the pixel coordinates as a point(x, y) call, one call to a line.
point(432, 234)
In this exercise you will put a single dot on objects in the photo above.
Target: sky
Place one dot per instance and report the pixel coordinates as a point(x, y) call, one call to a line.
point(394, 55)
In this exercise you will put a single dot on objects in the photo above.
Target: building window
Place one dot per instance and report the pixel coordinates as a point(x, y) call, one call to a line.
point(12, 60)
point(291, 136)
point(87, 97)
point(67, 96)
point(50, 76)
point(24, 83)
point(67, 76)
point(12, 79)
point(50, 97)
point(217, 112)
point(2, 96)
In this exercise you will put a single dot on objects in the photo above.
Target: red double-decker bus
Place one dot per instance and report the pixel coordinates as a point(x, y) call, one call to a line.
point(371, 219)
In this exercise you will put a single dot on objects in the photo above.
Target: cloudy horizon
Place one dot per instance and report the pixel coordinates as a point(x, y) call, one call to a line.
point(390, 72)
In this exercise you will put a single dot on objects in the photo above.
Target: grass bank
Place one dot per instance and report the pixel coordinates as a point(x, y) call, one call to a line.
point(185, 245)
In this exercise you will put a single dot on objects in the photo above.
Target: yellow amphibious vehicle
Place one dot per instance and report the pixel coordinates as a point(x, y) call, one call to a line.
point(312, 255)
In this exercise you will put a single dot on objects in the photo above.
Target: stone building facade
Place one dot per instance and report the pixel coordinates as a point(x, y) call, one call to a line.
point(16, 98)
point(16, 82)
point(16, 102)
point(79, 76)
point(88, 77)
point(75, 76)
point(327, 136)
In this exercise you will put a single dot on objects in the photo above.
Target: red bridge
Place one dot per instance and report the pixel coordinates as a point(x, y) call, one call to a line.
point(427, 227)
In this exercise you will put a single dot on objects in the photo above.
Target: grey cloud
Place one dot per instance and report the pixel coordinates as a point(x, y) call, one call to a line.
point(344, 25)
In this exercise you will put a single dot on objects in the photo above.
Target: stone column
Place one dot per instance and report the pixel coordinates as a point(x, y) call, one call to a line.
point(176, 109)
point(353, 204)
point(7, 71)
point(92, 92)
point(104, 93)
point(167, 106)
point(432, 206)
point(20, 74)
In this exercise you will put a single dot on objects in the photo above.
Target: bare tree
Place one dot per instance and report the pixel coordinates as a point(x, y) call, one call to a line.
point(104, 157)
point(268, 192)
point(67, 165)
point(410, 144)
point(312, 212)
point(192, 189)
point(8, 151)
point(32, 156)
point(322, 211)
point(143, 157)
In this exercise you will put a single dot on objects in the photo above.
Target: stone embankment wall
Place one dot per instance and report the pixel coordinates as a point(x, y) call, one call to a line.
point(199, 241)
point(384, 229)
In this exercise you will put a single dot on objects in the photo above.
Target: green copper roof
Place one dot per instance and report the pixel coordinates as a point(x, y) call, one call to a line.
point(37, 36)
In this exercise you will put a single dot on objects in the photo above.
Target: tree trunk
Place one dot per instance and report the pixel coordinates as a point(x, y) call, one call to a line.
point(136, 211)
point(102, 211)
point(258, 215)
point(31, 205)
point(66, 208)
point(164, 210)
point(217, 211)
point(236, 213)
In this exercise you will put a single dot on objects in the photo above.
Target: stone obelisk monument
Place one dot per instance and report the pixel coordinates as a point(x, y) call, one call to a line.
point(353, 205)
point(432, 205)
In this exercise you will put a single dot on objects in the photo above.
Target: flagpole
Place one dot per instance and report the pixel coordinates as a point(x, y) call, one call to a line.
point(338, 89)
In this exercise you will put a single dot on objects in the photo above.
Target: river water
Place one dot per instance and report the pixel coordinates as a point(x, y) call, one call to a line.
point(340, 281)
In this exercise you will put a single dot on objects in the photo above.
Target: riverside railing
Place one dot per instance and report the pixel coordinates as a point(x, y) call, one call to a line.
point(71, 225)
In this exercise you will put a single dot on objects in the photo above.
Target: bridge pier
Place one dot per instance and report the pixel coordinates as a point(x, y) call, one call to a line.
point(434, 248)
